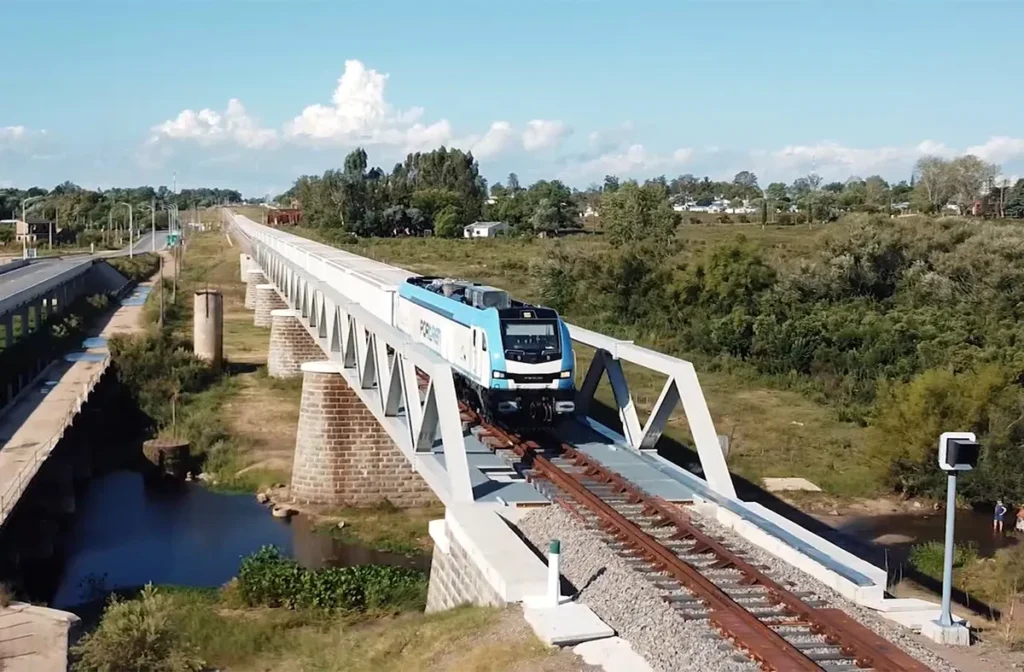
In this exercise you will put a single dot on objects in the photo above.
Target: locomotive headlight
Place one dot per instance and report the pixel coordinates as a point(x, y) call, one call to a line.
point(566, 374)
point(497, 374)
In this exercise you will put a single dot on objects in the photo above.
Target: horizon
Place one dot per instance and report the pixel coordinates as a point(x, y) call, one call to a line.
point(251, 100)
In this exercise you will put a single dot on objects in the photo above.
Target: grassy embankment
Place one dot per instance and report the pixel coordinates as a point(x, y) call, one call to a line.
point(245, 422)
point(773, 432)
point(278, 617)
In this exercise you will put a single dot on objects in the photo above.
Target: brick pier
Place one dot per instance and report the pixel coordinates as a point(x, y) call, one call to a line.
point(291, 346)
point(267, 300)
point(253, 277)
point(343, 457)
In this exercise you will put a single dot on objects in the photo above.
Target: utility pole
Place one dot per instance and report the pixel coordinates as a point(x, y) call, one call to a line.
point(161, 290)
point(152, 210)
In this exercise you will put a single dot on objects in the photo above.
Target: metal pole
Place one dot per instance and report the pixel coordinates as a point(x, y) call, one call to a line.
point(152, 209)
point(131, 234)
point(947, 567)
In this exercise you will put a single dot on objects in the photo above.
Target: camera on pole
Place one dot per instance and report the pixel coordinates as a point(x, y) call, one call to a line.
point(958, 451)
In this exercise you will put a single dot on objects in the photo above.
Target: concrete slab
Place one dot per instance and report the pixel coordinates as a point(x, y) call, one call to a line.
point(567, 624)
point(789, 484)
point(950, 635)
point(490, 490)
point(612, 654)
point(917, 620)
point(35, 639)
point(631, 465)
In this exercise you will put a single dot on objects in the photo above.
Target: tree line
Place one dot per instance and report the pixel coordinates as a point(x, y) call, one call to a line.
point(441, 191)
point(84, 214)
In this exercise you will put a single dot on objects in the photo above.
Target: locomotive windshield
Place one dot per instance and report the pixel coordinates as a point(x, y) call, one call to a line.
point(530, 336)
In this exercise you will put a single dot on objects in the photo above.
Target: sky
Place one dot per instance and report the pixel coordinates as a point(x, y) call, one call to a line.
point(250, 94)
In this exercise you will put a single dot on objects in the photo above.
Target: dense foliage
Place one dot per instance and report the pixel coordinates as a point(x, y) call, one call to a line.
point(910, 325)
point(160, 371)
point(440, 186)
point(137, 635)
point(137, 268)
point(266, 578)
point(88, 216)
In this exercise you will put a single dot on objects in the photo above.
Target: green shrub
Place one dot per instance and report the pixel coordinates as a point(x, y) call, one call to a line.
point(137, 635)
point(138, 268)
point(928, 558)
point(266, 578)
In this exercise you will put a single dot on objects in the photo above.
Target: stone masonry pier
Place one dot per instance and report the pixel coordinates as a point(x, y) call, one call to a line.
point(291, 346)
point(267, 300)
point(343, 457)
point(253, 277)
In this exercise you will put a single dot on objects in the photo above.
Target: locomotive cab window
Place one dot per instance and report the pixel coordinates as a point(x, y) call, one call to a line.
point(530, 336)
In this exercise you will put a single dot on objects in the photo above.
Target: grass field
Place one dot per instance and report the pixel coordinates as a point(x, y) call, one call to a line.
point(773, 432)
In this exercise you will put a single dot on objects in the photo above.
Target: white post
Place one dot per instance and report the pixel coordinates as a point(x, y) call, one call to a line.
point(554, 573)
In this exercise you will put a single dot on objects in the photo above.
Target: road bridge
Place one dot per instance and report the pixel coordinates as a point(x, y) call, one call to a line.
point(349, 354)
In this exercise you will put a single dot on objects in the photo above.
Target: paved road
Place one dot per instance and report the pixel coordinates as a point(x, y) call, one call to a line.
point(38, 271)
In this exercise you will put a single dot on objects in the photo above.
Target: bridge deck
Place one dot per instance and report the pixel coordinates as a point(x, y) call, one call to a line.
point(31, 427)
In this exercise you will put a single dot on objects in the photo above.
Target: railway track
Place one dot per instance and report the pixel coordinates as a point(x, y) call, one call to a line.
point(698, 575)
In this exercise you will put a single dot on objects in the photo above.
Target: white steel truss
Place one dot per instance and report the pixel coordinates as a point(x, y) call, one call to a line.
point(682, 386)
point(380, 363)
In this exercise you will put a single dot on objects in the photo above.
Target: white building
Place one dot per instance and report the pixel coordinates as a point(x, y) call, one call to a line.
point(484, 229)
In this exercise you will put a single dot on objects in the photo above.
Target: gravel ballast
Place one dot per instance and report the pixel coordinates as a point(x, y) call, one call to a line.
point(629, 602)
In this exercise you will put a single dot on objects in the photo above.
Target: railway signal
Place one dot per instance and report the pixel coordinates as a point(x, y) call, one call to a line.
point(958, 451)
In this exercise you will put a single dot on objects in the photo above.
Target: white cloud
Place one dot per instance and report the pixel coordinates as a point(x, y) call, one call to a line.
point(543, 134)
point(636, 160)
point(208, 127)
point(832, 160)
point(999, 149)
point(495, 141)
point(20, 139)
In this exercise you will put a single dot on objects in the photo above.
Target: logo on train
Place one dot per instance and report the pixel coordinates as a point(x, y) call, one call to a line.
point(430, 332)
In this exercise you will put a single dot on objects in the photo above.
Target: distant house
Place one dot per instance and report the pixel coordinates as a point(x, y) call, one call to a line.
point(30, 231)
point(484, 229)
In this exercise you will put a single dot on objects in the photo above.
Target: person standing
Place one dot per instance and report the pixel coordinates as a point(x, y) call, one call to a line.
point(1000, 513)
point(1020, 519)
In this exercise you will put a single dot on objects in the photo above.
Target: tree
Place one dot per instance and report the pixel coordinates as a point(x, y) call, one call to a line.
point(513, 184)
point(635, 214)
point(545, 216)
point(934, 182)
point(449, 223)
point(1015, 201)
point(746, 184)
point(967, 175)
point(776, 191)
point(611, 184)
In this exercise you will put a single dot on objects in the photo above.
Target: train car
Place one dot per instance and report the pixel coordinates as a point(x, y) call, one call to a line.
point(512, 360)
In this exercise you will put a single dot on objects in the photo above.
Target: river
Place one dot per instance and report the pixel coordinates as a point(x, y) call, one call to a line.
point(126, 534)
point(901, 531)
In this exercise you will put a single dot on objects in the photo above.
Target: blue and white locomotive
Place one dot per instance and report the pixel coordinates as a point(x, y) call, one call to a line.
point(512, 359)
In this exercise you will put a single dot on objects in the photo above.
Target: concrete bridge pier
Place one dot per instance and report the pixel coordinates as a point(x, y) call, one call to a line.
point(253, 277)
point(245, 262)
point(291, 346)
point(343, 457)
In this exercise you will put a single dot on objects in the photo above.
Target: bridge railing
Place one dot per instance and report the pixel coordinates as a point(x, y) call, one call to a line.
point(681, 387)
point(379, 362)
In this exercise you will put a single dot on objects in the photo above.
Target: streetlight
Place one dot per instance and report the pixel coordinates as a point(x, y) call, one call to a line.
point(152, 210)
point(24, 241)
point(131, 230)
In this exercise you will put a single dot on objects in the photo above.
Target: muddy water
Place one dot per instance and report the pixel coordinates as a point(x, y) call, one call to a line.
point(126, 534)
point(901, 531)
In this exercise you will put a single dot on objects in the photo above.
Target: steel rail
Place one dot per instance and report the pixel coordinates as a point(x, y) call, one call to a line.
point(748, 633)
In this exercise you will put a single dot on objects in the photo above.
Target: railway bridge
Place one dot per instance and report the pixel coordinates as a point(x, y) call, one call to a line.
point(379, 419)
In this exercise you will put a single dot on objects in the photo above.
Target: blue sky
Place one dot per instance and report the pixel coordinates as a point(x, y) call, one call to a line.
point(251, 94)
